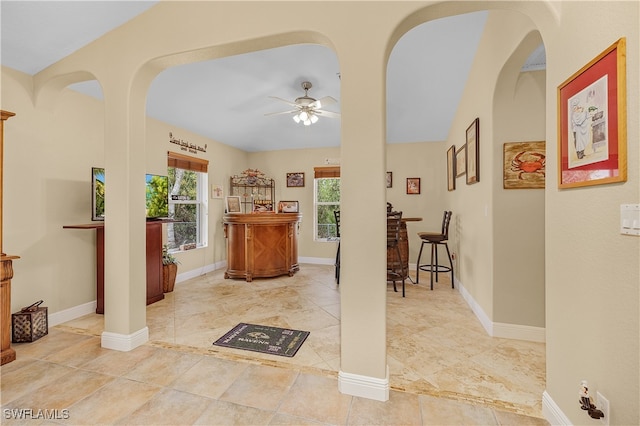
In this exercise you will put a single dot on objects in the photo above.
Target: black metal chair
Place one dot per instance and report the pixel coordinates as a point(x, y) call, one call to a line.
point(336, 214)
point(395, 266)
point(435, 239)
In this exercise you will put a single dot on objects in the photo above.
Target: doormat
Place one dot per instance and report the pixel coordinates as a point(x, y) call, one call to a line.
point(264, 339)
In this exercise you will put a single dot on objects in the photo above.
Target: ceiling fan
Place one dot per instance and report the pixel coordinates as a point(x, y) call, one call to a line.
point(307, 109)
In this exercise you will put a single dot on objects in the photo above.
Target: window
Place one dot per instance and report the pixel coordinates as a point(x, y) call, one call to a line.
point(187, 201)
point(326, 188)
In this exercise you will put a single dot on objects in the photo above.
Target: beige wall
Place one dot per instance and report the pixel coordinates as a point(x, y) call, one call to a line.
point(591, 271)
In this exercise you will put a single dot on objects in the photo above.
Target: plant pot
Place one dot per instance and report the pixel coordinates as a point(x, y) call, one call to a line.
point(169, 273)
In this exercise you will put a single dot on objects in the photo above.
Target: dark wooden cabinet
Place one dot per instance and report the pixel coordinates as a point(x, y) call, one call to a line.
point(7, 353)
point(261, 245)
point(154, 261)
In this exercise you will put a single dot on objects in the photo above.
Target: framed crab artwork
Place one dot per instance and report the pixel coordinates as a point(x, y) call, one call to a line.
point(524, 165)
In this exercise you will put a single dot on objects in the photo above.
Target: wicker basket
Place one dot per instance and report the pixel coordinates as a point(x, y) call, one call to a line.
point(30, 324)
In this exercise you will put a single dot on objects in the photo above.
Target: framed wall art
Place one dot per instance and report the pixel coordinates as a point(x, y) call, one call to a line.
point(288, 207)
point(216, 190)
point(413, 185)
point(461, 161)
point(592, 122)
point(389, 179)
point(473, 152)
point(295, 179)
point(523, 165)
point(451, 168)
point(233, 204)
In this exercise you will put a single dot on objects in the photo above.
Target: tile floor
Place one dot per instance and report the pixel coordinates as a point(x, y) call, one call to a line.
point(444, 369)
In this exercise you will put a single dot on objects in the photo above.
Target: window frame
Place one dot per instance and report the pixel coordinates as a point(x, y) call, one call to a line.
point(317, 203)
point(200, 167)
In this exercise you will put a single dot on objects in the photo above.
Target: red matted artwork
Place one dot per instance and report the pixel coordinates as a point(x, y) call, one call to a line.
point(592, 122)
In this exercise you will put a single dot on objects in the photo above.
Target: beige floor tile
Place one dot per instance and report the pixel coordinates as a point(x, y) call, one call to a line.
point(401, 409)
point(226, 413)
point(441, 411)
point(112, 402)
point(260, 387)
point(163, 367)
point(31, 375)
point(168, 407)
point(316, 398)
point(63, 392)
point(444, 368)
point(210, 377)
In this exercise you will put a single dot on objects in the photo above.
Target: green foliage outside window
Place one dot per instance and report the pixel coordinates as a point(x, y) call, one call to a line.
point(184, 207)
point(157, 197)
point(327, 201)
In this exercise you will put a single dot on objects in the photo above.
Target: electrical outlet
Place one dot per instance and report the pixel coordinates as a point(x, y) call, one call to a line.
point(602, 404)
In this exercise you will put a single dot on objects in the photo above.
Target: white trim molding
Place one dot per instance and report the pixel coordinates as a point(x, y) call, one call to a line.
point(125, 342)
point(504, 330)
point(364, 386)
point(552, 412)
point(72, 313)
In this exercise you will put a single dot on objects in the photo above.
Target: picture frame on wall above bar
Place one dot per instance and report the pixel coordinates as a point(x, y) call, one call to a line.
point(592, 122)
point(473, 152)
point(413, 186)
point(295, 180)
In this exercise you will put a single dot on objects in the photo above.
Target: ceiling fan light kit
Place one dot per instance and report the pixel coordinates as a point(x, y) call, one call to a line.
point(307, 108)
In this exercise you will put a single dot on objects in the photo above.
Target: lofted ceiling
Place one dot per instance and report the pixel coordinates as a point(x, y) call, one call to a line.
point(226, 99)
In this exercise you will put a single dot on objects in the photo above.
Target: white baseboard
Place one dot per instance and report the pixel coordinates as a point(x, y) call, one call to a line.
point(72, 313)
point(200, 271)
point(519, 332)
point(317, 260)
point(551, 412)
point(124, 342)
point(364, 386)
point(504, 330)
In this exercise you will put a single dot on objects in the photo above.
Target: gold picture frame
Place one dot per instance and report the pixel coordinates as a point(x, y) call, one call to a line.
point(592, 122)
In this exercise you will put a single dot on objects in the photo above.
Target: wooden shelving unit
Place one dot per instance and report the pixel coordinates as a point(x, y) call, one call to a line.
point(256, 192)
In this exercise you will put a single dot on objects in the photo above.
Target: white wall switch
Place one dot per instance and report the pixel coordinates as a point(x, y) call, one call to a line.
point(630, 219)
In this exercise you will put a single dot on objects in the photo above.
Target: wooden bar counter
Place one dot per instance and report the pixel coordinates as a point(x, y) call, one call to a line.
point(261, 245)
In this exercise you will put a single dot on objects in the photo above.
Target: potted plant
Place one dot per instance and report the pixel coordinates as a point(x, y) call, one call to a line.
point(169, 269)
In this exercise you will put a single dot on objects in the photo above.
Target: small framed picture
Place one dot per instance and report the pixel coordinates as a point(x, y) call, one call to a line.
point(216, 191)
point(295, 179)
point(473, 152)
point(413, 185)
point(389, 179)
point(233, 204)
point(451, 168)
point(288, 207)
point(461, 161)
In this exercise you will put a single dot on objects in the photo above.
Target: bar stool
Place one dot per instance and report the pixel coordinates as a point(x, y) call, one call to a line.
point(336, 214)
point(394, 222)
point(435, 239)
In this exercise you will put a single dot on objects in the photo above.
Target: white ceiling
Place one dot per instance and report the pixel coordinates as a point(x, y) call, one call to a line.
point(226, 99)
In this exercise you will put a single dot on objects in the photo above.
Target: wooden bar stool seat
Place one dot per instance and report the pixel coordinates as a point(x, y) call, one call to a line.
point(435, 239)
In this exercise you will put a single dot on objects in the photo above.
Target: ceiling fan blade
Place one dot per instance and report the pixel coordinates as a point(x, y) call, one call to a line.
point(282, 112)
point(323, 102)
point(284, 100)
point(329, 114)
